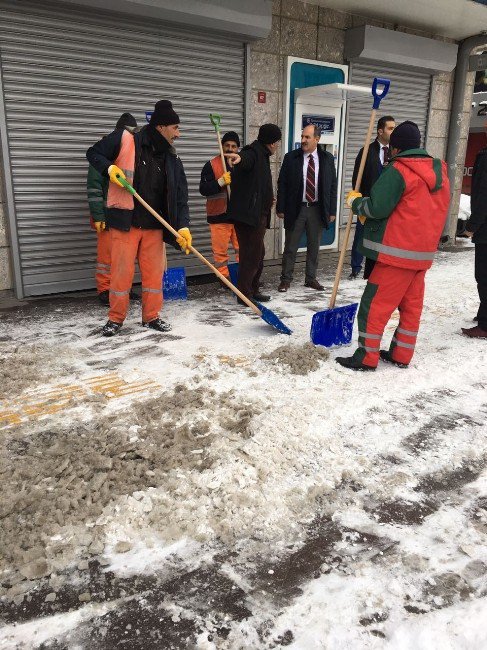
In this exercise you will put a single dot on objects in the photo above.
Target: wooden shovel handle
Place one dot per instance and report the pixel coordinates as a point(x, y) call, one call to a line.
point(167, 225)
point(350, 214)
point(222, 156)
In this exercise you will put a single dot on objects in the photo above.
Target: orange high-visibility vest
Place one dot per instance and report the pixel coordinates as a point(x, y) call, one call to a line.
point(117, 196)
point(217, 204)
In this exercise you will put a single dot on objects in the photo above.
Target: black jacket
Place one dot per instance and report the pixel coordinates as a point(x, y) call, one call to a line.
point(209, 187)
point(478, 200)
point(290, 187)
point(252, 193)
point(372, 169)
point(159, 178)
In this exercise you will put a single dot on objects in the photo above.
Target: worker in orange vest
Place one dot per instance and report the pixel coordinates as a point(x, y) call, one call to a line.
point(213, 184)
point(147, 159)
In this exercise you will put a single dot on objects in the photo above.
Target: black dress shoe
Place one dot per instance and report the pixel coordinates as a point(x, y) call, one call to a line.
point(283, 286)
point(385, 355)
point(314, 284)
point(260, 297)
point(352, 364)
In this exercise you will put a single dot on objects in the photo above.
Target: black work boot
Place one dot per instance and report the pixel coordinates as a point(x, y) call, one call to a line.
point(104, 298)
point(352, 364)
point(385, 355)
point(158, 324)
point(111, 328)
point(260, 297)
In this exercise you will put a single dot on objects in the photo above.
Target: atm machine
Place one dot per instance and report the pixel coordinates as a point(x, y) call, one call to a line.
point(325, 106)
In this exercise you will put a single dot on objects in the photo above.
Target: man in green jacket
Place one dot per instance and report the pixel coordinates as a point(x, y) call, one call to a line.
point(404, 219)
point(97, 188)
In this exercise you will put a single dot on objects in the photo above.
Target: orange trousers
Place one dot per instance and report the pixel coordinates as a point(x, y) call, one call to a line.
point(145, 246)
point(390, 288)
point(103, 257)
point(222, 234)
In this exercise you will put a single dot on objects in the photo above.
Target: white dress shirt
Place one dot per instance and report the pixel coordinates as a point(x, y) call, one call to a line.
point(305, 172)
point(382, 152)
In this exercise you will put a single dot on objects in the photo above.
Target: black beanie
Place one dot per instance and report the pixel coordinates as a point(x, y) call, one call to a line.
point(405, 136)
point(126, 119)
point(231, 136)
point(269, 133)
point(164, 114)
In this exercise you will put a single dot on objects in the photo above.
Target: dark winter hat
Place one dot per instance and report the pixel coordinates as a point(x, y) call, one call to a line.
point(231, 136)
point(269, 133)
point(126, 119)
point(164, 114)
point(405, 136)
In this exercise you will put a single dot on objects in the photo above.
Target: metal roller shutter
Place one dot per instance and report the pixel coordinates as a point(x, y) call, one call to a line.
point(408, 99)
point(67, 75)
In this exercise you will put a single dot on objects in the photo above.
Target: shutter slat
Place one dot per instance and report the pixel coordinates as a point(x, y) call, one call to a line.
point(67, 76)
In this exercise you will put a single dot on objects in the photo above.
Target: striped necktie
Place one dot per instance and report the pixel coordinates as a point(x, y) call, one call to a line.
point(310, 180)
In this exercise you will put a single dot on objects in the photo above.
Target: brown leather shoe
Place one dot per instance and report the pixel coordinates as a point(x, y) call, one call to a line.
point(283, 286)
point(474, 332)
point(314, 284)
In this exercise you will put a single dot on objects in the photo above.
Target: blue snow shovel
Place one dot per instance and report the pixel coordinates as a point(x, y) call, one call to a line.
point(233, 270)
point(266, 314)
point(334, 326)
point(174, 282)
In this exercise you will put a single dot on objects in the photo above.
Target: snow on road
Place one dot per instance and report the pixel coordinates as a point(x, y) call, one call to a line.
point(227, 487)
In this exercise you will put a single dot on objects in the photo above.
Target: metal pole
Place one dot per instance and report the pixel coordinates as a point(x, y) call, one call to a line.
point(456, 117)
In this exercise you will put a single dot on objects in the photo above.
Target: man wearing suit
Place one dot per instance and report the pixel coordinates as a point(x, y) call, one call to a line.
point(377, 159)
point(307, 201)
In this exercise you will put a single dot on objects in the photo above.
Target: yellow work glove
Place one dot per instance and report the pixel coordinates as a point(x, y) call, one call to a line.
point(225, 179)
point(113, 172)
point(351, 196)
point(184, 240)
point(100, 226)
point(362, 218)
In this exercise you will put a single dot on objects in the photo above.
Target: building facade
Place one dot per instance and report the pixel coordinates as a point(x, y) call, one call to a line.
point(68, 70)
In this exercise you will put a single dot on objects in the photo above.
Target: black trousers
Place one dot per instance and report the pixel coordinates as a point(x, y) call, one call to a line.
point(251, 255)
point(481, 277)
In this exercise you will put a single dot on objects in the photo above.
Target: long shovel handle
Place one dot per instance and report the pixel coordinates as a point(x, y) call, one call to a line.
point(215, 120)
point(378, 96)
point(167, 225)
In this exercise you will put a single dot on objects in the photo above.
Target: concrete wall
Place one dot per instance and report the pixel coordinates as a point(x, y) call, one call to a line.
point(306, 30)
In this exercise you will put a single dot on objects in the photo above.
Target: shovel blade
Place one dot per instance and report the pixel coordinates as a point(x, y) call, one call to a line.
point(233, 270)
point(174, 284)
point(333, 326)
point(271, 319)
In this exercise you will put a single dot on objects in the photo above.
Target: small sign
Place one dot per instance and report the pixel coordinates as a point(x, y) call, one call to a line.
point(261, 97)
point(477, 62)
point(325, 123)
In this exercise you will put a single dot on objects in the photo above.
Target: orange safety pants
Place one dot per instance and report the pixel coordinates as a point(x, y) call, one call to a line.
point(103, 258)
point(390, 288)
point(145, 246)
point(221, 236)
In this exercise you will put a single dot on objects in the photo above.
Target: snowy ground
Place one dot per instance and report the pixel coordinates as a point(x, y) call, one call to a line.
point(212, 489)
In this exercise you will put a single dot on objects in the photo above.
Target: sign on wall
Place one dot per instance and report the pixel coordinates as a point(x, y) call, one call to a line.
point(325, 123)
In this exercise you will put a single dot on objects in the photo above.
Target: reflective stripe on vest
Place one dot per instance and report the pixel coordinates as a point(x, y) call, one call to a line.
point(216, 204)
point(117, 196)
point(398, 252)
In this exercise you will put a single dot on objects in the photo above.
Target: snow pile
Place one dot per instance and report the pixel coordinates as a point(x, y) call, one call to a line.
point(297, 359)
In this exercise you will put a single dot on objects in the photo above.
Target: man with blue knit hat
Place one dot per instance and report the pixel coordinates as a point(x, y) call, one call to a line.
point(403, 220)
point(146, 158)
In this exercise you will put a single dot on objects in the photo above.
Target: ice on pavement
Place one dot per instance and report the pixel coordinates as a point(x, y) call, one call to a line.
point(340, 509)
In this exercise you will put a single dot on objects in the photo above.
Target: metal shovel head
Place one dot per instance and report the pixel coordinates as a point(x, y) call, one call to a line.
point(271, 319)
point(174, 284)
point(233, 270)
point(333, 326)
